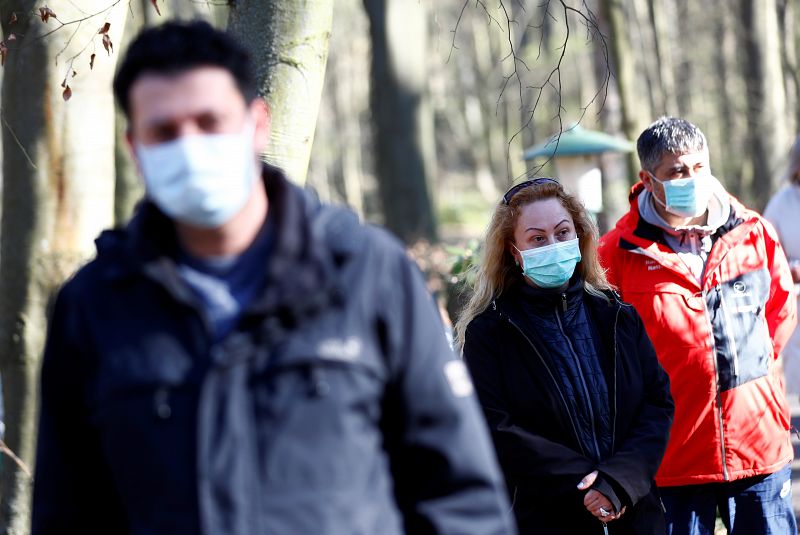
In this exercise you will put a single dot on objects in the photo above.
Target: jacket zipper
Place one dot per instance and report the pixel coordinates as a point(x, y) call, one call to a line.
point(555, 383)
point(513, 500)
point(644, 252)
point(731, 340)
point(614, 363)
point(581, 377)
point(716, 379)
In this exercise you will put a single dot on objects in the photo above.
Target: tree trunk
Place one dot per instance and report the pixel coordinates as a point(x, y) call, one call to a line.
point(725, 80)
point(289, 44)
point(786, 18)
point(616, 169)
point(58, 194)
point(765, 94)
point(663, 42)
point(684, 61)
point(216, 13)
point(487, 47)
point(401, 116)
point(623, 61)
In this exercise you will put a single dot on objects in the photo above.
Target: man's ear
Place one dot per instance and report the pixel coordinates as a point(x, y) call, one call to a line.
point(646, 179)
point(263, 118)
point(129, 140)
point(129, 144)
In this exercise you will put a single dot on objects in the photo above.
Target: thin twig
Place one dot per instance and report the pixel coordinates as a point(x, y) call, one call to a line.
point(62, 24)
point(20, 463)
point(16, 139)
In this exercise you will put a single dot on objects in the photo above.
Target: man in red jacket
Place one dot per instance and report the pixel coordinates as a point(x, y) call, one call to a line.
point(712, 284)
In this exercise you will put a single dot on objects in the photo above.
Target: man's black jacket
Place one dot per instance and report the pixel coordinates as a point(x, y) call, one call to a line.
point(335, 407)
point(534, 432)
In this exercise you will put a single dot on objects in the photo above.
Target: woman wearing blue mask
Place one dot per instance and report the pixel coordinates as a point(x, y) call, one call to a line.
point(577, 403)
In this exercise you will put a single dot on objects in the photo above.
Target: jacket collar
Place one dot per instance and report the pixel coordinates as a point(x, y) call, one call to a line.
point(521, 295)
point(718, 213)
point(636, 232)
point(300, 269)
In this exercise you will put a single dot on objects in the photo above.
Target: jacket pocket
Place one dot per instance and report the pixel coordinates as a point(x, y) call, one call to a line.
point(741, 335)
point(312, 405)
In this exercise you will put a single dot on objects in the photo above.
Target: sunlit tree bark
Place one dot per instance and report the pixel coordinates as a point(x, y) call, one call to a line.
point(766, 111)
point(289, 44)
point(57, 195)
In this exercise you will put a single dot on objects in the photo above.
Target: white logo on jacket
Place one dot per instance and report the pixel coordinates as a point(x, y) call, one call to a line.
point(340, 349)
point(458, 377)
point(652, 265)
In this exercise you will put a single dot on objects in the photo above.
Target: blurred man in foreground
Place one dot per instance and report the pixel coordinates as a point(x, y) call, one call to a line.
point(241, 359)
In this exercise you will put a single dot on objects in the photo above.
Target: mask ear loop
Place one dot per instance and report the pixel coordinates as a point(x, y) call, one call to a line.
point(653, 193)
point(516, 262)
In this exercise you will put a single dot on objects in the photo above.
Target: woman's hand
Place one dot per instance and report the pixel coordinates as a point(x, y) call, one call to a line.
point(596, 503)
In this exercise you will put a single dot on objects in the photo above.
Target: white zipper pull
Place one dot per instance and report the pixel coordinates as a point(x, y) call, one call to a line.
point(605, 528)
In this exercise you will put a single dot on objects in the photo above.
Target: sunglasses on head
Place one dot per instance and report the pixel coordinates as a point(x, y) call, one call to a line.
point(522, 185)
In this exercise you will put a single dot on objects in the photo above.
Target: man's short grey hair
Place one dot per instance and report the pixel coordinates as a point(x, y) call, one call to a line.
point(668, 135)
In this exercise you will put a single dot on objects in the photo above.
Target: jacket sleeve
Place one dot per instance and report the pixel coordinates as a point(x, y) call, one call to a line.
point(526, 457)
point(781, 306)
point(446, 475)
point(636, 460)
point(73, 492)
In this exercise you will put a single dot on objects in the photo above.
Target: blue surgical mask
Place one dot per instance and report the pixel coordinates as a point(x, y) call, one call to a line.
point(685, 197)
point(551, 266)
point(200, 180)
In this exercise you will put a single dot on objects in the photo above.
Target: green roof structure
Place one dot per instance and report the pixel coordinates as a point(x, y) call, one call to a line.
point(578, 141)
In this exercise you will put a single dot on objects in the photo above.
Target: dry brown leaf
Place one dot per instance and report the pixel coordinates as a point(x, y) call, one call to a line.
point(155, 5)
point(67, 94)
point(107, 44)
point(91, 61)
point(45, 13)
point(105, 28)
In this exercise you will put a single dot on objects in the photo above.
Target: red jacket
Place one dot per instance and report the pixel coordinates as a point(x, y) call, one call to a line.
point(718, 341)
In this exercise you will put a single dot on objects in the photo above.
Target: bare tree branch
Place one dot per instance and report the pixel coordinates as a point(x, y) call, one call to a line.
point(515, 35)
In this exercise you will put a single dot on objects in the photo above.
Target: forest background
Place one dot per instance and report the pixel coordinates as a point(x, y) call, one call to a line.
point(415, 113)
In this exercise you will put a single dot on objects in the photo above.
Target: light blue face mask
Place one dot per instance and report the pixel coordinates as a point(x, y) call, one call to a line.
point(685, 197)
point(551, 266)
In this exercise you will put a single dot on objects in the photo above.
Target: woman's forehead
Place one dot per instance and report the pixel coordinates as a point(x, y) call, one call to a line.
point(545, 214)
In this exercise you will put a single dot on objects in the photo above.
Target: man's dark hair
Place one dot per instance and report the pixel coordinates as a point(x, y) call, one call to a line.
point(668, 135)
point(176, 47)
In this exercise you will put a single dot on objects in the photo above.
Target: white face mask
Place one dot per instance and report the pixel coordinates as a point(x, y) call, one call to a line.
point(201, 180)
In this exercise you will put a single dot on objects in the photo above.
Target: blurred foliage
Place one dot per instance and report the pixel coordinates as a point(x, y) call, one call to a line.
point(465, 260)
point(462, 213)
point(449, 270)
